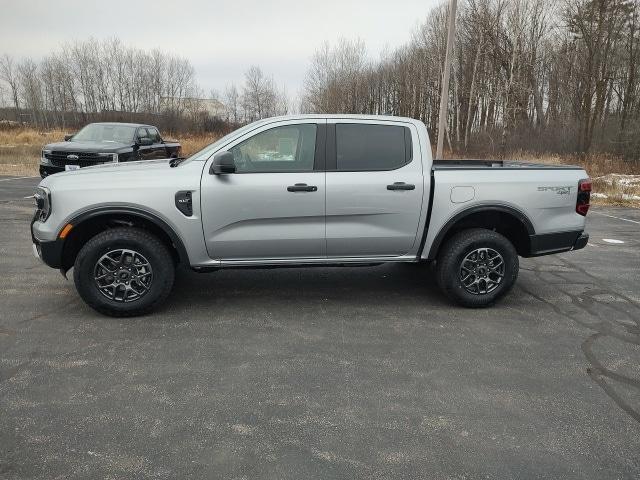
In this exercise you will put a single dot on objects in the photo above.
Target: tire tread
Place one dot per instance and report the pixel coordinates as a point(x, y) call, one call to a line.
point(447, 268)
point(132, 234)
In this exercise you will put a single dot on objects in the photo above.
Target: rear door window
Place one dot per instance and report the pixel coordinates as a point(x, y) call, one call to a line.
point(362, 147)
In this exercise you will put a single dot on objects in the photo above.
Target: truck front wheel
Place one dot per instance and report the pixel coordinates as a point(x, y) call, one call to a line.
point(124, 272)
point(476, 267)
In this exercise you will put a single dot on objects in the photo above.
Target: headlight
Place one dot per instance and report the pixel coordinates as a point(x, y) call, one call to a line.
point(43, 159)
point(43, 203)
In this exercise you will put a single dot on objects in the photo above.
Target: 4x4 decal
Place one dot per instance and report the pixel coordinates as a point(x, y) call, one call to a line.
point(557, 190)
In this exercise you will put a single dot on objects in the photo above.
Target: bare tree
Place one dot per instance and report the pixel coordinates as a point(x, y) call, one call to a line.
point(519, 67)
point(336, 80)
point(259, 95)
point(232, 104)
point(8, 73)
point(31, 90)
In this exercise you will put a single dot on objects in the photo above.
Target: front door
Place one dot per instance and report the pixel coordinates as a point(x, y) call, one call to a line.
point(146, 151)
point(374, 189)
point(158, 147)
point(150, 145)
point(273, 207)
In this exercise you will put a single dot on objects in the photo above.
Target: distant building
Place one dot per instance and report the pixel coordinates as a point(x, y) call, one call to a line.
point(213, 107)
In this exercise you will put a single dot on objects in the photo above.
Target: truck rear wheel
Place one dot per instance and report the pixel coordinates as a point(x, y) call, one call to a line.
point(124, 272)
point(476, 267)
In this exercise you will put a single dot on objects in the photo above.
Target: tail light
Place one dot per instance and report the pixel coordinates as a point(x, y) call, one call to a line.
point(584, 197)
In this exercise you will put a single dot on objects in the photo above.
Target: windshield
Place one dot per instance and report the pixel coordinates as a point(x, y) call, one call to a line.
point(206, 152)
point(99, 132)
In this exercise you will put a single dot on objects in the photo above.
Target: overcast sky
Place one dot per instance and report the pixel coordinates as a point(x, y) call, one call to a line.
point(220, 38)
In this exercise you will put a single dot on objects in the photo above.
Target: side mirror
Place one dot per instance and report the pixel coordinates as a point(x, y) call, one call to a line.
point(223, 162)
point(68, 137)
point(145, 141)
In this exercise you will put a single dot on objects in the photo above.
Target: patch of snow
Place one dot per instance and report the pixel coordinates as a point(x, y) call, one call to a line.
point(630, 197)
point(624, 180)
point(623, 196)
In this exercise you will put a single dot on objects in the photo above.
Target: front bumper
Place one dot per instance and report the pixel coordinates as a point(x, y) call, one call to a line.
point(46, 170)
point(50, 252)
point(49, 168)
point(36, 251)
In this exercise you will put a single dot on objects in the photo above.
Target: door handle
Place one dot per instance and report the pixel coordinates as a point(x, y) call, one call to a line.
point(302, 187)
point(401, 186)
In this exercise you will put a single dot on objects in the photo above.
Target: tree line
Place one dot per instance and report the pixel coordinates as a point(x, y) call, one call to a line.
point(106, 80)
point(541, 75)
point(89, 77)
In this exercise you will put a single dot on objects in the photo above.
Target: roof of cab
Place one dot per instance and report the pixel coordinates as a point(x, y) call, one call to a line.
point(384, 118)
point(122, 124)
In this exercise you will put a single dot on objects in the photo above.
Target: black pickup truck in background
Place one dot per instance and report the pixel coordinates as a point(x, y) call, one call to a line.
point(106, 143)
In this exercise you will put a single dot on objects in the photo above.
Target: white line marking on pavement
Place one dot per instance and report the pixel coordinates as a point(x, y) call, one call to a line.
point(618, 218)
point(15, 178)
point(611, 240)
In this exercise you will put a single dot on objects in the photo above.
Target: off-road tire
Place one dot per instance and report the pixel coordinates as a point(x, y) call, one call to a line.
point(457, 248)
point(131, 238)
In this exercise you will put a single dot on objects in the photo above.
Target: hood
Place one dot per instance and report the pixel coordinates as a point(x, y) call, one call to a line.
point(90, 147)
point(107, 172)
point(150, 165)
point(160, 164)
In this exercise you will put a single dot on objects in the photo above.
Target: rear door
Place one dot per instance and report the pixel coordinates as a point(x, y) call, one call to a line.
point(374, 188)
point(273, 207)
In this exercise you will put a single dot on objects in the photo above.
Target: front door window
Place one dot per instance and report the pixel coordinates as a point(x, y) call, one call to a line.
point(289, 148)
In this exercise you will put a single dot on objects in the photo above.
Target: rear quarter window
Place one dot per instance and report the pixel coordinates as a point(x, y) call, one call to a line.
point(362, 147)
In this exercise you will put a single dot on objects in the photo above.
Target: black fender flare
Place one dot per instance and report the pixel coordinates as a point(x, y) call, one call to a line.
point(514, 212)
point(135, 212)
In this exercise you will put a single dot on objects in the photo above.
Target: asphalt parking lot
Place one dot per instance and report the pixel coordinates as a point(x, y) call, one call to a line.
point(325, 373)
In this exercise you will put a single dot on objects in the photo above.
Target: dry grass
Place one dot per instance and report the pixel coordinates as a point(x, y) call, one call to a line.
point(20, 148)
point(617, 189)
point(616, 181)
point(194, 143)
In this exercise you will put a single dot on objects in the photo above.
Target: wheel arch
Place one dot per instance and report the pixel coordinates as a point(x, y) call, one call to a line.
point(90, 223)
point(504, 219)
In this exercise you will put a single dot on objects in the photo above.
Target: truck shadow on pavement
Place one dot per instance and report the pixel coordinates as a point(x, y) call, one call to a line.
point(284, 288)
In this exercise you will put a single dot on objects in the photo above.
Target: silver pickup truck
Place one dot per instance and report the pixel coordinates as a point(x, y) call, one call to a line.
point(306, 190)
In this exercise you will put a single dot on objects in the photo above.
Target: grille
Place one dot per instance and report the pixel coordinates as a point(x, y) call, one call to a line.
point(85, 159)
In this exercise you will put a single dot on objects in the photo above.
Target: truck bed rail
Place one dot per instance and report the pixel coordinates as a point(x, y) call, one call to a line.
point(500, 164)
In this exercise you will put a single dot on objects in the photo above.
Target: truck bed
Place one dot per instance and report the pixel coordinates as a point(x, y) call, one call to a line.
point(498, 164)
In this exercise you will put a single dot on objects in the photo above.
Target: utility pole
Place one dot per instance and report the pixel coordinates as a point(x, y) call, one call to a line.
point(444, 97)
